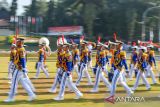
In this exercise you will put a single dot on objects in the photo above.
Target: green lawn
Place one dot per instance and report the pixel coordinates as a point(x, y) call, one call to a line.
point(45, 99)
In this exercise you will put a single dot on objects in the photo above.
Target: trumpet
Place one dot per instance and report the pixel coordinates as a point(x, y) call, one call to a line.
point(106, 46)
point(149, 42)
point(81, 41)
point(145, 42)
point(111, 43)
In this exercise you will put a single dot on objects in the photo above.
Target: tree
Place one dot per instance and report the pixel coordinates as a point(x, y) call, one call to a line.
point(89, 9)
point(33, 8)
point(37, 8)
point(50, 15)
point(99, 17)
point(4, 4)
point(13, 8)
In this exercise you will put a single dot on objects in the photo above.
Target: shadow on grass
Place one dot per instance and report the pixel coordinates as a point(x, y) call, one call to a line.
point(50, 101)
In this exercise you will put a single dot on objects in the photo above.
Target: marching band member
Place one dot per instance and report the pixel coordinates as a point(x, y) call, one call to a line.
point(141, 66)
point(134, 60)
point(59, 73)
point(151, 61)
point(97, 57)
point(101, 62)
point(67, 77)
point(40, 64)
point(107, 60)
point(76, 57)
point(112, 51)
point(20, 74)
point(83, 64)
point(119, 62)
point(90, 46)
point(11, 65)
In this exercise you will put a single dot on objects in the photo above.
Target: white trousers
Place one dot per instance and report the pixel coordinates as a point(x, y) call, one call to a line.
point(11, 68)
point(57, 81)
point(118, 77)
point(151, 73)
point(40, 66)
point(19, 76)
point(100, 76)
point(89, 64)
point(67, 80)
point(139, 76)
point(132, 71)
point(75, 68)
point(83, 70)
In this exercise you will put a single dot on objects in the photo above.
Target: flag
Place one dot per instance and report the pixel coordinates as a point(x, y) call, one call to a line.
point(33, 20)
point(15, 37)
point(29, 19)
point(134, 43)
point(99, 39)
point(63, 38)
point(16, 19)
point(12, 19)
point(115, 36)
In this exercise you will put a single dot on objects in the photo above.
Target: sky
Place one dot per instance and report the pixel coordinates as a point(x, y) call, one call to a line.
point(21, 3)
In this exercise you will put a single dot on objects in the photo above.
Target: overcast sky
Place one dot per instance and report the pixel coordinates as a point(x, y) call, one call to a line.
point(21, 3)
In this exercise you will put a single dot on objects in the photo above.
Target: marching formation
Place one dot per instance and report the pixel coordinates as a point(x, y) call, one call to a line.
point(111, 67)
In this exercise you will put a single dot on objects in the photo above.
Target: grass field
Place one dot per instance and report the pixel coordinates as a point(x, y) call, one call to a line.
point(45, 99)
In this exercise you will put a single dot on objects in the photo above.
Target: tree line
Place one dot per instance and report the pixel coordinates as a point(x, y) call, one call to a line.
point(99, 17)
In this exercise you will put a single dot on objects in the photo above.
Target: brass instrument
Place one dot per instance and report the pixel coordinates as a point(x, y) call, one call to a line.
point(45, 41)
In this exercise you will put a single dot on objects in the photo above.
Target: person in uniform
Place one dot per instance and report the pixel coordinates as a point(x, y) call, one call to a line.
point(119, 62)
point(76, 57)
point(41, 60)
point(20, 74)
point(67, 77)
point(151, 62)
point(59, 73)
point(83, 64)
point(141, 66)
point(133, 63)
point(100, 69)
point(90, 46)
point(11, 66)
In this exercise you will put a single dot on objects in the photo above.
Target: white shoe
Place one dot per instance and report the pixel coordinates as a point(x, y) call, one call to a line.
point(9, 82)
point(9, 100)
point(94, 91)
point(52, 91)
point(78, 96)
point(130, 93)
point(35, 77)
point(31, 98)
point(59, 98)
